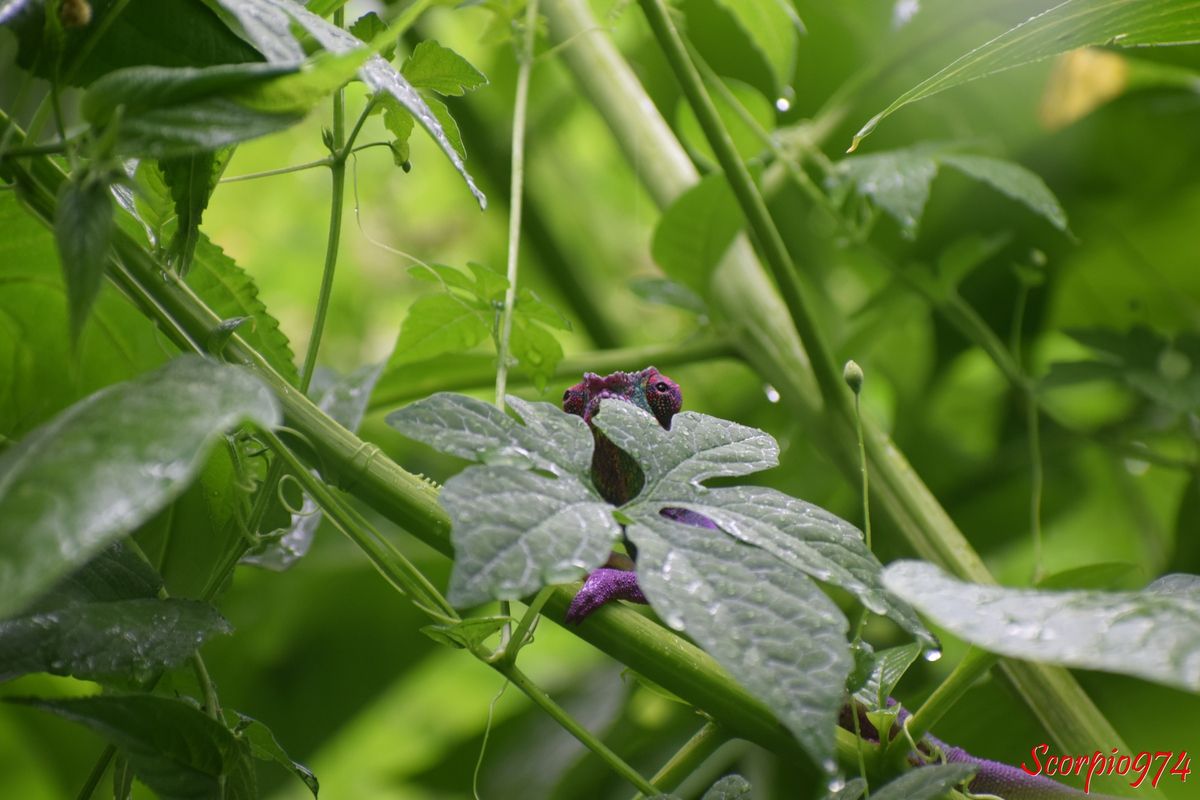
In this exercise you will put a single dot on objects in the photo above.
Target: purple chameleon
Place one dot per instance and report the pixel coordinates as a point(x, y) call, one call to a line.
point(618, 478)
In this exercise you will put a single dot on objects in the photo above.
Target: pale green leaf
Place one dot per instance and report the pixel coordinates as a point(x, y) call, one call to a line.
point(771, 627)
point(124, 638)
point(695, 231)
point(889, 667)
point(746, 139)
point(731, 787)
point(1066, 26)
point(536, 350)
point(440, 69)
point(853, 790)
point(466, 632)
point(1152, 634)
point(437, 324)
point(774, 28)
point(111, 461)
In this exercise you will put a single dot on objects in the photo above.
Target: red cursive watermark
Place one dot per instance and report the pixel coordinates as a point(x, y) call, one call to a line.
point(1098, 763)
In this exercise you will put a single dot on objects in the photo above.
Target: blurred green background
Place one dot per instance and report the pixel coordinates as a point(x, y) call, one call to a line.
point(332, 659)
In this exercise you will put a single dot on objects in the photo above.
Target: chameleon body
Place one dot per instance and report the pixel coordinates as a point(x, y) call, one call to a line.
point(618, 479)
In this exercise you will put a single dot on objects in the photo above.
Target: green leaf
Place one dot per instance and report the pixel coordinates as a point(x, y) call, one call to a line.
point(746, 139)
point(530, 517)
point(231, 292)
point(889, 667)
point(666, 292)
point(83, 226)
point(449, 126)
point(265, 747)
point(490, 284)
point(344, 399)
point(468, 632)
point(448, 277)
point(174, 748)
point(1066, 26)
point(1102, 575)
point(853, 790)
point(731, 787)
point(926, 783)
point(1152, 634)
point(535, 309)
point(699, 447)
point(267, 24)
point(773, 27)
point(167, 112)
point(441, 70)
point(117, 573)
point(440, 323)
point(898, 181)
point(1012, 180)
point(108, 463)
point(750, 611)
point(125, 638)
point(191, 179)
point(694, 232)
point(367, 27)
point(536, 350)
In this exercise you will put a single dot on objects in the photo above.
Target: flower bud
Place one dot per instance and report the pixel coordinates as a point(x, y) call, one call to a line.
point(853, 376)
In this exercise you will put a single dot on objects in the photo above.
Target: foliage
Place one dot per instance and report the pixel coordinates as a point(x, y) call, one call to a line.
point(1029, 394)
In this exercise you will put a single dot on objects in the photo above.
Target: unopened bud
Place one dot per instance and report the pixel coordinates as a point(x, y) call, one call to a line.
point(853, 376)
point(75, 13)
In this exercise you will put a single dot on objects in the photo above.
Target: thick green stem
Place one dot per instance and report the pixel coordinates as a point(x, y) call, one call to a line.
point(688, 758)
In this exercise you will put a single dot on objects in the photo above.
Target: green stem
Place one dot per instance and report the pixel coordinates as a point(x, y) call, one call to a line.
point(211, 706)
point(688, 758)
point(572, 726)
point(321, 162)
point(97, 774)
point(337, 173)
point(50, 148)
point(513, 645)
point(975, 663)
point(516, 191)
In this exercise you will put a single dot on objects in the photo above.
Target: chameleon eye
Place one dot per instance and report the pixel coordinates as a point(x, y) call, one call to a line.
point(661, 386)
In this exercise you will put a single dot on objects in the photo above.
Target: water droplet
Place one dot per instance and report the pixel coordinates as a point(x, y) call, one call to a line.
point(932, 654)
point(771, 392)
point(904, 11)
point(1136, 467)
point(782, 104)
point(674, 620)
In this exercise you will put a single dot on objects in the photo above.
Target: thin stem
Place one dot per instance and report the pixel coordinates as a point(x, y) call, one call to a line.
point(688, 758)
point(50, 148)
point(211, 706)
point(1032, 426)
point(509, 649)
point(321, 162)
point(765, 235)
point(516, 191)
point(348, 147)
point(866, 480)
point(337, 173)
point(975, 663)
point(97, 774)
point(572, 726)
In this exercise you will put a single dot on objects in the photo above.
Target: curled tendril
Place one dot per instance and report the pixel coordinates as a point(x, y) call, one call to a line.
point(283, 501)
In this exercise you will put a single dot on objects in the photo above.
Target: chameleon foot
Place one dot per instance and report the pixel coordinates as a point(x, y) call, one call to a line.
point(602, 586)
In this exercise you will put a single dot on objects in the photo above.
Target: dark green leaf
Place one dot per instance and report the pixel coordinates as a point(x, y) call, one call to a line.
point(1013, 180)
point(173, 747)
point(191, 179)
point(1066, 26)
point(853, 790)
point(83, 227)
point(695, 231)
point(111, 461)
point(926, 783)
point(440, 323)
point(515, 530)
point(731, 787)
point(367, 27)
point(441, 70)
point(1152, 634)
point(117, 573)
point(751, 611)
point(1103, 575)
point(124, 638)
point(889, 667)
point(265, 747)
point(449, 126)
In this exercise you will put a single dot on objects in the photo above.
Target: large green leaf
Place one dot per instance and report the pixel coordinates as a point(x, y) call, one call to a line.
point(131, 639)
point(751, 611)
point(514, 529)
point(174, 748)
point(83, 225)
point(267, 24)
point(40, 372)
point(699, 447)
point(695, 231)
point(1152, 634)
point(774, 28)
point(440, 323)
point(191, 179)
point(926, 783)
point(441, 70)
point(1066, 26)
point(108, 463)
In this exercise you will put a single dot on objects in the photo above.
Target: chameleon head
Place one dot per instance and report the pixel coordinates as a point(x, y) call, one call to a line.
point(648, 389)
